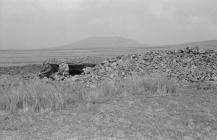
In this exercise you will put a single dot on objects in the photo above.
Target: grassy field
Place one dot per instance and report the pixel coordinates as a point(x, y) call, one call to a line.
point(22, 57)
point(149, 108)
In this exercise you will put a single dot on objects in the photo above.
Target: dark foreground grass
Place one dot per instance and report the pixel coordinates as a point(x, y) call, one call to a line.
point(37, 95)
point(137, 108)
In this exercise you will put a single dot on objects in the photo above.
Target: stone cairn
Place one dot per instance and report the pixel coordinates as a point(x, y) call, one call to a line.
point(188, 65)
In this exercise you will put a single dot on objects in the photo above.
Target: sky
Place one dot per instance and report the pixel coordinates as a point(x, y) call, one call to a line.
point(33, 24)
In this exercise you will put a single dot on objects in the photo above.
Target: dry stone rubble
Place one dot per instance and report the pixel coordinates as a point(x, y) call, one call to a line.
point(189, 65)
point(186, 65)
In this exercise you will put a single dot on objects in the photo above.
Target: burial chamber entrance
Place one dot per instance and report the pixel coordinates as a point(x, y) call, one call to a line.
point(74, 69)
point(77, 69)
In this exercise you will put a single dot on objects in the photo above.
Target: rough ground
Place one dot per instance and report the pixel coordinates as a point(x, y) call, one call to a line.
point(185, 116)
point(20, 70)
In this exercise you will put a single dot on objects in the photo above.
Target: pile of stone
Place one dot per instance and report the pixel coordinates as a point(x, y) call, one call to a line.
point(189, 65)
point(186, 65)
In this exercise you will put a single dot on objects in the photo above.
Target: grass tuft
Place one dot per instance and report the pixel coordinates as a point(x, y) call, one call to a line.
point(34, 96)
point(37, 95)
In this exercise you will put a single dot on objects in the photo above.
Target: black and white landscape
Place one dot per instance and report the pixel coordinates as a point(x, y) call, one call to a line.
point(108, 70)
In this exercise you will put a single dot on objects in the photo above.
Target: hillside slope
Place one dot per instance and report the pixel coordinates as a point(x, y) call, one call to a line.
point(208, 44)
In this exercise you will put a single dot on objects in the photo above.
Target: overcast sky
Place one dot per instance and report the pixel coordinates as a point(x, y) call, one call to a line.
point(30, 24)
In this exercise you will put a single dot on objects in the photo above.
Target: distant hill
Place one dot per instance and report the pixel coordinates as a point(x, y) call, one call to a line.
point(102, 42)
point(208, 44)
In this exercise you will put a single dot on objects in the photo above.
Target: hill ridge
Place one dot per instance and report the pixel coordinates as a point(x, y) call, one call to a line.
point(102, 42)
